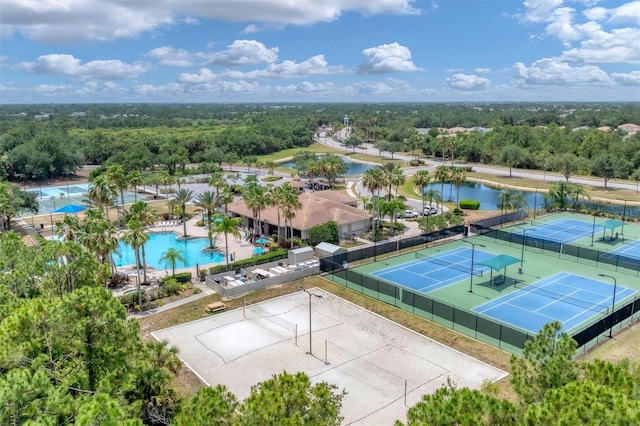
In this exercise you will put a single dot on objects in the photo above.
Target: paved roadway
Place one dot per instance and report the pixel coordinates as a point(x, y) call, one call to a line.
point(367, 148)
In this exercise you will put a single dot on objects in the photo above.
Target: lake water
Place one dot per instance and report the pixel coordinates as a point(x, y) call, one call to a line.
point(489, 198)
point(353, 167)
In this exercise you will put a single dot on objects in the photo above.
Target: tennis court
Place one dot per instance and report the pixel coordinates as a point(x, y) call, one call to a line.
point(431, 272)
point(564, 297)
point(630, 250)
point(560, 230)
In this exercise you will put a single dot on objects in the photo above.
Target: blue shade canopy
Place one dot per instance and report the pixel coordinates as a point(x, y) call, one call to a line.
point(258, 250)
point(70, 208)
point(262, 241)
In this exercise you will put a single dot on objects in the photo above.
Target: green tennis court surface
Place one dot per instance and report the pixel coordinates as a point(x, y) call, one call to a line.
point(555, 280)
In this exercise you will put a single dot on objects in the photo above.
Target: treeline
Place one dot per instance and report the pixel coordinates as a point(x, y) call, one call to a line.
point(44, 141)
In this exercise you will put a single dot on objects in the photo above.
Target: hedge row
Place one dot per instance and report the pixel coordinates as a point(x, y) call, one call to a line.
point(470, 204)
point(252, 261)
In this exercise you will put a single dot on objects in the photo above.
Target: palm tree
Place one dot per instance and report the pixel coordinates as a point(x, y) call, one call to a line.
point(136, 238)
point(118, 177)
point(576, 191)
point(392, 208)
point(421, 179)
point(146, 216)
point(505, 200)
point(373, 180)
point(166, 179)
point(101, 191)
point(441, 174)
point(134, 178)
point(99, 235)
point(217, 181)
point(458, 177)
point(431, 195)
point(255, 197)
point(227, 225)
point(391, 172)
point(559, 192)
point(207, 201)
point(182, 197)
point(68, 228)
point(171, 257)
point(290, 204)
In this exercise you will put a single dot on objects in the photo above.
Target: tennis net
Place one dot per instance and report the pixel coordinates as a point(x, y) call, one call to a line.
point(542, 226)
point(585, 304)
point(463, 265)
point(255, 312)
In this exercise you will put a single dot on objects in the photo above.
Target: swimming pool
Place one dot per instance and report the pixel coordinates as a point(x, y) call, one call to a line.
point(160, 242)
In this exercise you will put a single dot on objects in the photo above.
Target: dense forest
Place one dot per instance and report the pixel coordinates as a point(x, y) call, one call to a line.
point(44, 141)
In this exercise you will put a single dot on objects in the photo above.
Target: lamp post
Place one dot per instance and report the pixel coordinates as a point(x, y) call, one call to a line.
point(524, 242)
point(613, 303)
point(473, 250)
point(319, 296)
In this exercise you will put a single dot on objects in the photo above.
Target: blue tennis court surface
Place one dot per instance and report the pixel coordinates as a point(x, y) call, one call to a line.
point(437, 271)
point(567, 298)
point(631, 250)
point(561, 230)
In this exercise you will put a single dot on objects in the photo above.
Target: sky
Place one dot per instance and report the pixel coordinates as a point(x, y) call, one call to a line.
point(232, 51)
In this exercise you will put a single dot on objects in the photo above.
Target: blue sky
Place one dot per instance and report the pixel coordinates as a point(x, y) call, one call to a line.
point(86, 51)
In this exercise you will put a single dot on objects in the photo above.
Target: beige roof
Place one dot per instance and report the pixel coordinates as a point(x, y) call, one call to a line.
point(317, 208)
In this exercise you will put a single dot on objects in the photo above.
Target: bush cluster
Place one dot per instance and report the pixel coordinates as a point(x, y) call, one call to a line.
point(470, 204)
point(252, 261)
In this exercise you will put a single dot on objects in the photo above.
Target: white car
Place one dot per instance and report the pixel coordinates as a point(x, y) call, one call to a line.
point(428, 211)
point(408, 214)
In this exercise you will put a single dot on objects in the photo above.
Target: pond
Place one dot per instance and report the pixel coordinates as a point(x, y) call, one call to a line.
point(353, 167)
point(489, 198)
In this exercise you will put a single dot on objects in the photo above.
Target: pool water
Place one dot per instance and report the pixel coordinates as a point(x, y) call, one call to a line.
point(160, 242)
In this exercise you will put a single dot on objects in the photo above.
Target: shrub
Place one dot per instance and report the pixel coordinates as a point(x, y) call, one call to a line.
point(130, 300)
point(470, 204)
point(327, 232)
point(414, 163)
point(184, 277)
point(200, 222)
point(252, 261)
point(171, 287)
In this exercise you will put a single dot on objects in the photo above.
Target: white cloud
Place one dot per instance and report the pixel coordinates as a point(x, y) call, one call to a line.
point(387, 58)
point(243, 52)
point(467, 82)
point(250, 29)
point(51, 89)
point(626, 13)
point(204, 76)
point(306, 87)
point(619, 45)
point(630, 79)
point(73, 20)
point(69, 65)
point(553, 72)
point(315, 65)
point(538, 11)
point(170, 56)
point(482, 70)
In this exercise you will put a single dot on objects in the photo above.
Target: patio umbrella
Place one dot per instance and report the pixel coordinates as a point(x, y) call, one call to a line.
point(258, 250)
point(70, 208)
point(262, 241)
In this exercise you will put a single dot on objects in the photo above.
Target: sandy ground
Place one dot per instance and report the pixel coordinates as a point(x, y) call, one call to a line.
point(370, 357)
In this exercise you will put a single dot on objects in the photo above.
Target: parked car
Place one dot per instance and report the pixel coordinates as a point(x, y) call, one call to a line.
point(430, 210)
point(408, 214)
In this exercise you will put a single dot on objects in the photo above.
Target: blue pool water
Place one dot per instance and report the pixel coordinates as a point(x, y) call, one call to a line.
point(160, 242)
point(353, 167)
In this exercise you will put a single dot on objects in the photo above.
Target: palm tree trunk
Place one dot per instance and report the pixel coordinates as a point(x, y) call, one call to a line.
point(138, 286)
point(144, 263)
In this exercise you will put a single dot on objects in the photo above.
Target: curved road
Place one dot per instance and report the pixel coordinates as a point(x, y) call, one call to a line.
point(323, 138)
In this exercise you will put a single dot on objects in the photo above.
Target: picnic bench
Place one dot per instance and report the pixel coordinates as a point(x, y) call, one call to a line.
point(215, 307)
